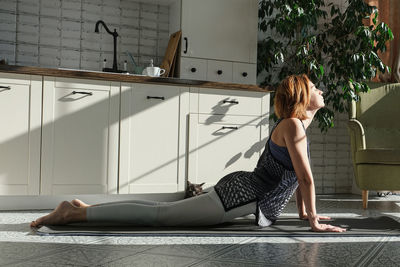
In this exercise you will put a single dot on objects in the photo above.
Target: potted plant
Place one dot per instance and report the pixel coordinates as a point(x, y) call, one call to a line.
point(333, 46)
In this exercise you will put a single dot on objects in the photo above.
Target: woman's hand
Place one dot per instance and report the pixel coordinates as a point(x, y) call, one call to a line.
point(318, 227)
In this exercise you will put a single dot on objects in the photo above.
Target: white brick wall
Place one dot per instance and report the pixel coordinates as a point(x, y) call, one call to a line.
point(60, 33)
point(331, 158)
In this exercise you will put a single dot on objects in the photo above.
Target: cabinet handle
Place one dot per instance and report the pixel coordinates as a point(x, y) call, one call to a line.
point(230, 101)
point(244, 74)
point(186, 45)
point(230, 128)
point(219, 72)
point(5, 87)
point(193, 69)
point(156, 97)
point(82, 93)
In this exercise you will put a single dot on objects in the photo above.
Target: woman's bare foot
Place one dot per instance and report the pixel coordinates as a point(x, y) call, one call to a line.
point(63, 214)
point(79, 203)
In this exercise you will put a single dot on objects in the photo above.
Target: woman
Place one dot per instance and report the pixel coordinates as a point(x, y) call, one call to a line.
point(282, 169)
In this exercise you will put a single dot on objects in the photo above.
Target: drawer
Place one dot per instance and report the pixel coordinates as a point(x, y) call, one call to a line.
point(193, 68)
point(219, 71)
point(11, 78)
point(60, 82)
point(228, 102)
point(244, 73)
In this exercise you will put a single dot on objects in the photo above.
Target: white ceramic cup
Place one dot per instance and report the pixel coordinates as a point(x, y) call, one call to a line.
point(154, 71)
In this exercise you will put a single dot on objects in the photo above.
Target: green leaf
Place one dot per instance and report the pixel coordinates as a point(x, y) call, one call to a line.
point(339, 53)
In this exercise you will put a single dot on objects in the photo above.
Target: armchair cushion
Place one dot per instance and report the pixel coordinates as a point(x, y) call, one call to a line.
point(378, 156)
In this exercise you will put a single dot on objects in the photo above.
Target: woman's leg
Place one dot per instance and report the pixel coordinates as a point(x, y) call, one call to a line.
point(76, 211)
point(80, 203)
point(205, 209)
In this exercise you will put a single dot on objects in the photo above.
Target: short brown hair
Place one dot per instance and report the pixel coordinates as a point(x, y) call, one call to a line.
point(292, 97)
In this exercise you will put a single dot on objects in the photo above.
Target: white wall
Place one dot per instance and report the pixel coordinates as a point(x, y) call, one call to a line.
point(60, 33)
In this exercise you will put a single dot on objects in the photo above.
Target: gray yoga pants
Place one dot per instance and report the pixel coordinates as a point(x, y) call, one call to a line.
point(202, 210)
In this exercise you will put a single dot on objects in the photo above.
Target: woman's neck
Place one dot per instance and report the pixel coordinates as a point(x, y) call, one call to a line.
point(310, 115)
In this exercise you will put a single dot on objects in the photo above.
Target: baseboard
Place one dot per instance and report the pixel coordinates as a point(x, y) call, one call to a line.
point(50, 202)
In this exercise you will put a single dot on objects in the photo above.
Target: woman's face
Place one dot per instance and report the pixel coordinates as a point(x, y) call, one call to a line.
point(316, 98)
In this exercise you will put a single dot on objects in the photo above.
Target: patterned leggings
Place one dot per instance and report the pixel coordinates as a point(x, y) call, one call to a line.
point(202, 210)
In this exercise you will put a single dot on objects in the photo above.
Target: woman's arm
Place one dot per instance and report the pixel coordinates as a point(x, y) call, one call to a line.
point(296, 143)
point(300, 205)
point(302, 209)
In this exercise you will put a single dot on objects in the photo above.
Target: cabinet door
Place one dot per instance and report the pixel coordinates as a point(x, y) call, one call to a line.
point(20, 119)
point(222, 30)
point(220, 144)
point(80, 136)
point(152, 161)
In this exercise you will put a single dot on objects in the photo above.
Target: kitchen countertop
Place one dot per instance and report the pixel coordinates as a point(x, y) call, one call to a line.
point(98, 75)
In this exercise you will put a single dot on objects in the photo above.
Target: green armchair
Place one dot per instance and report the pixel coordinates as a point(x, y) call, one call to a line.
point(374, 128)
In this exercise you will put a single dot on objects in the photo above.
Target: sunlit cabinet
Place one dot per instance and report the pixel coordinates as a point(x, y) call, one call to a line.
point(227, 132)
point(79, 136)
point(219, 39)
point(220, 30)
point(20, 119)
point(153, 134)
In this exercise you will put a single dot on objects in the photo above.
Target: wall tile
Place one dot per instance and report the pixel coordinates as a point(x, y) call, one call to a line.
point(8, 5)
point(7, 37)
point(69, 25)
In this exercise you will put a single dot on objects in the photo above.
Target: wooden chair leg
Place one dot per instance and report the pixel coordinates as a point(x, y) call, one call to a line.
point(365, 198)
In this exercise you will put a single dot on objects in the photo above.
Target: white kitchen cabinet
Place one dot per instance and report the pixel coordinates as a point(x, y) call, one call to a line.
point(220, 30)
point(227, 132)
point(20, 120)
point(219, 39)
point(153, 129)
point(80, 136)
point(244, 73)
point(220, 144)
point(193, 69)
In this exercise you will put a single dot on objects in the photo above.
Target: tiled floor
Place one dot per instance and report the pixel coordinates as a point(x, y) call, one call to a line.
point(19, 247)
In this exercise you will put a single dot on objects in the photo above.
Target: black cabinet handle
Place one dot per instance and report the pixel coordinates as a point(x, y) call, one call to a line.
point(193, 69)
point(230, 101)
point(156, 97)
point(5, 87)
point(82, 93)
point(230, 128)
point(219, 72)
point(186, 45)
point(244, 74)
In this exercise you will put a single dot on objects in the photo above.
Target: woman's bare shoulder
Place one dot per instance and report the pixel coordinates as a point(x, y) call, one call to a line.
point(292, 127)
point(292, 123)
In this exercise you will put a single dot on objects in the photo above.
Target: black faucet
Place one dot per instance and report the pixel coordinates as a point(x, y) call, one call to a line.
point(115, 35)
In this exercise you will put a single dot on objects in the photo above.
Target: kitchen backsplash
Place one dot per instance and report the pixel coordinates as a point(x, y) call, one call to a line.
point(60, 33)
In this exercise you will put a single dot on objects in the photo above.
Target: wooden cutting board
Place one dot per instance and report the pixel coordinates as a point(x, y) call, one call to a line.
point(168, 62)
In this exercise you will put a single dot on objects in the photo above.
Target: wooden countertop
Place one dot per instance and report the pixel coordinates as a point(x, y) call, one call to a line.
point(107, 76)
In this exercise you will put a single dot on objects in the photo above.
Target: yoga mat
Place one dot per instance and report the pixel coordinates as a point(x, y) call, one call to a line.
point(359, 226)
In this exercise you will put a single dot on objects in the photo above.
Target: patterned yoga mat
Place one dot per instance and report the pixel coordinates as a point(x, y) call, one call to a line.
point(357, 226)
